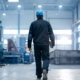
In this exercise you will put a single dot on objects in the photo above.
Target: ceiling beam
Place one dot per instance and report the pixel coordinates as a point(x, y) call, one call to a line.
point(13, 4)
point(58, 5)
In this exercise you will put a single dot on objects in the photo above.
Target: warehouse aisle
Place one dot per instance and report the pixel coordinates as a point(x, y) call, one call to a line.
point(26, 72)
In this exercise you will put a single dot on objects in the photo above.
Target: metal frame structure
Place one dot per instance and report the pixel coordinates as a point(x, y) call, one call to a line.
point(68, 5)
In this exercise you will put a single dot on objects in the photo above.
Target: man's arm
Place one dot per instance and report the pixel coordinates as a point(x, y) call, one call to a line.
point(30, 35)
point(52, 37)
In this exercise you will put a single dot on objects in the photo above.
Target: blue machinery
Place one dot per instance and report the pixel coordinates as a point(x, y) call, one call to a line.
point(1, 45)
point(28, 57)
point(14, 55)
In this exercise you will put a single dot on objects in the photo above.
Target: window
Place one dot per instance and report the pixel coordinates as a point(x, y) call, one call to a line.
point(69, 32)
point(10, 31)
point(5, 41)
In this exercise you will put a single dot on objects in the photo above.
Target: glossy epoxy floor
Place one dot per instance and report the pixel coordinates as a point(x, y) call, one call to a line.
point(27, 72)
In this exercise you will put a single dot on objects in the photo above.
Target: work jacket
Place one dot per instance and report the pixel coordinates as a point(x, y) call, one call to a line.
point(40, 31)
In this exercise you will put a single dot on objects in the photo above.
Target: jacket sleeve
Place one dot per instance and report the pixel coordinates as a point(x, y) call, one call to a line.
point(51, 34)
point(30, 35)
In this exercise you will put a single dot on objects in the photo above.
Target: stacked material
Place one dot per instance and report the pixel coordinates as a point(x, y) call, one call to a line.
point(66, 57)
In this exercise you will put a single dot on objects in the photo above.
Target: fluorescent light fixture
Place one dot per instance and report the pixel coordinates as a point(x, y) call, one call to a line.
point(39, 6)
point(19, 6)
point(60, 6)
point(13, 0)
point(4, 14)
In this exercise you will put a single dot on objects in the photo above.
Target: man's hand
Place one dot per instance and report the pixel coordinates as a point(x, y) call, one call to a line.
point(50, 43)
point(30, 49)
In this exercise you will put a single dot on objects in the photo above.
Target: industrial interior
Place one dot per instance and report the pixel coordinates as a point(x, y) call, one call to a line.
point(16, 61)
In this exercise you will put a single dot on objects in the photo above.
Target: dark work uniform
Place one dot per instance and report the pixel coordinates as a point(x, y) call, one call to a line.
point(40, 31)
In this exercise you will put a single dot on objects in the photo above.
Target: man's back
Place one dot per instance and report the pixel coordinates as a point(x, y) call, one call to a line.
point(40, 32)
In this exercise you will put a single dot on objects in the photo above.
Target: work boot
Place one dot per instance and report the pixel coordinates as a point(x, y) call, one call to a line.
point(44, 74)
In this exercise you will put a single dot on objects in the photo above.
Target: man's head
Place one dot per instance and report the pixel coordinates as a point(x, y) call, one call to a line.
point(39, 14)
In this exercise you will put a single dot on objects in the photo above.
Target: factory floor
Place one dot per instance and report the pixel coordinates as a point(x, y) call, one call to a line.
point(27, 72)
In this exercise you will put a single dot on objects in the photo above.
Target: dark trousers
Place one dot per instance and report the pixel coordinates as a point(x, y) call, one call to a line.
point(41, 53)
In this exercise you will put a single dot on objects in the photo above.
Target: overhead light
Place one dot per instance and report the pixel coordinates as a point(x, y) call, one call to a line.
point(4, 14)
point(60, 6)
point(19, 6)
point(39, 6)
point(34, 4)
point(13, 0)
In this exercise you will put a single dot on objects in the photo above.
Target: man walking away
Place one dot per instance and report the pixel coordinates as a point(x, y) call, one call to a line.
point(40, 31)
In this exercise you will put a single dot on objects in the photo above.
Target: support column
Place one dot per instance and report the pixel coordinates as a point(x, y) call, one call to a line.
point(72, 30)
point(77, 44)
point(46, 15)
point(73, 38)
point(34, 5)
point(18, 22)
point(77, 36)
point(77, 11)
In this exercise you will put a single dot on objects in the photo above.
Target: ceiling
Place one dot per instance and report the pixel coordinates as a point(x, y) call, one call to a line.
point(68, 5)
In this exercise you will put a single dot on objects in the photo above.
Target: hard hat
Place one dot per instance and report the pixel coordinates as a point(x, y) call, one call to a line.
point(39, 12)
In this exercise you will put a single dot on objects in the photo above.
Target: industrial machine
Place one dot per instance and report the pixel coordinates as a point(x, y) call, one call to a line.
point(12, 56)
point(65, 57)
point(28, 57)
point(17, 52)
point(1, 45)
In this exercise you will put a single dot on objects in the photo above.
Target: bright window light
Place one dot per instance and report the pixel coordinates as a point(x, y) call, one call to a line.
point(79, 39)
point(64, 38)
point(68, 32)
point(60, 6)
point(64, 41)
point(39, 6)
point(24, 31)
point(65, 32)
point(5, 41)
point(79, 28)
point(13, 0)
point(4, 14)
point(61, 42)
point(10, 31)
point(19, 6)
